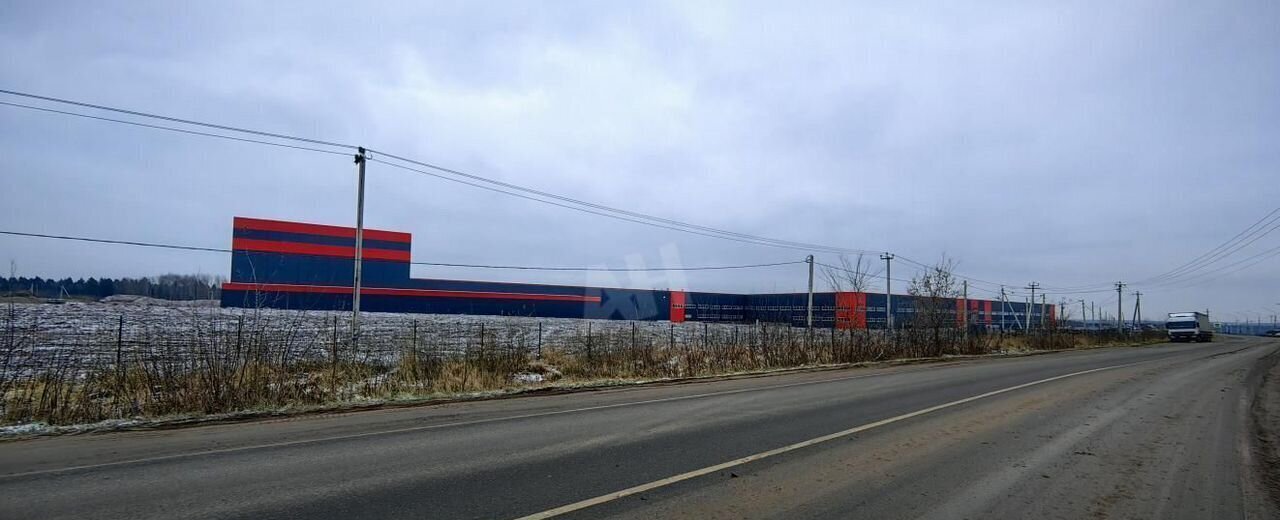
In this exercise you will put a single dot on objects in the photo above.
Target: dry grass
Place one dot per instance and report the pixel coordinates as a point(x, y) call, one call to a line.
point(272, 361)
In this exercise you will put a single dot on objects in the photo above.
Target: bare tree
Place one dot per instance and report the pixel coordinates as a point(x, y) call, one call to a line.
point(934, 294)
point(850, 275)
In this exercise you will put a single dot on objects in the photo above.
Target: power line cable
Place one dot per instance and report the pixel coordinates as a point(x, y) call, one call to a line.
point(601, 210)
point(175, 119)
point(674, 223)
point(582, 209)
point(671, 224)
point(116, 242)
point(1190, 271)
point(1187, 271)
point(1079, 291)
point(1197, 276)
point(433, 264)
point(1223, 255)
point(1209, 276)
point(633, 214)
point(1206, 257)
point(851, 271)
point(974, 281)
point(1059, 288)
point(611, 269)
point(171, 129)
point(1252, 228)
point(761, 241)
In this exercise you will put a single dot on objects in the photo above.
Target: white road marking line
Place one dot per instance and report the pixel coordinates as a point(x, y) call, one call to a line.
point(446, 425)
point(590, 502)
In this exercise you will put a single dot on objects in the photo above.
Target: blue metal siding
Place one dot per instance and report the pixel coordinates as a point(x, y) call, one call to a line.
point(288, 268)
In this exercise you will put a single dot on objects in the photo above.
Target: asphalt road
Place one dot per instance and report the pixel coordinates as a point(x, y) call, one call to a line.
point(1157, 432)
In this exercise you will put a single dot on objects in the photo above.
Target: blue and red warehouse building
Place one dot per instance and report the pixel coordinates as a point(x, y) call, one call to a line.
point(294, 265)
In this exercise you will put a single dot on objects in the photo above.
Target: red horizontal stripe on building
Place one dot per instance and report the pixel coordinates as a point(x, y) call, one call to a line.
point(318, 229)
point(387, 291)
point(299, 248)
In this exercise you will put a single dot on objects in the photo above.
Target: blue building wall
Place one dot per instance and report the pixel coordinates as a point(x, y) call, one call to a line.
point(293, 265)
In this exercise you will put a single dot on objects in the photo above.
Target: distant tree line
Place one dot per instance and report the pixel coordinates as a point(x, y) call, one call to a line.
point(166, 287)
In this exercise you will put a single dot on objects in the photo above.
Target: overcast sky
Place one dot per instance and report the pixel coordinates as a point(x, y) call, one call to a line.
point(1071, 143)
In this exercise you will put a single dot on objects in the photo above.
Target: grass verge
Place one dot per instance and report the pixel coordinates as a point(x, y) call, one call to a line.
point(454, 380)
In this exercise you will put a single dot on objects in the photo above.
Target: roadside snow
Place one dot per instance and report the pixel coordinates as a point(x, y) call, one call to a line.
point(39, 428)
point(132, 299)
point(527, 378)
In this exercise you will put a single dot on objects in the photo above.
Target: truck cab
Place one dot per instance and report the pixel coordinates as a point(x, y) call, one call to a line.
point(1189, 326)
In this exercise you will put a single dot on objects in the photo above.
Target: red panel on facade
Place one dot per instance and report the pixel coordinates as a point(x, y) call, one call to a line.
point(384, 291)
point(987, 304)
point(298, 248)
point(860, 312)
point(677, 307)
point(846, 309)
point(851, 310)
point(317, 229)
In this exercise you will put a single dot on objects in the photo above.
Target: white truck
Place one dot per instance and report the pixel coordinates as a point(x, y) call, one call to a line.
point(1189, 326)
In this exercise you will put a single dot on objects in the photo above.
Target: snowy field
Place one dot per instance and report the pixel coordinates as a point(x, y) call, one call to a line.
point(35, 335)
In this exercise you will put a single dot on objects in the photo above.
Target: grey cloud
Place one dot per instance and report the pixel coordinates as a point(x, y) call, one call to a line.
point(1072, 144)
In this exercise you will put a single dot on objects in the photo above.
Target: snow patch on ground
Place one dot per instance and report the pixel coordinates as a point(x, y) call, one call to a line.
point(131, 299)
point(39, 428)
point(525, 377)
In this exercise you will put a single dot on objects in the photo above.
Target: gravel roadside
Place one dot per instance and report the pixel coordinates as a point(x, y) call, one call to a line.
point(1265, 416)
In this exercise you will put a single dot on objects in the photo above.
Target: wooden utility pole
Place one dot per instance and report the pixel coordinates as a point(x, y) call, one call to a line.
point(359, 250)
point(1031, 304)
point(1002, 308)
point(1137, 309)
point(809, 315)
point(888, 292)
point(1120, 307)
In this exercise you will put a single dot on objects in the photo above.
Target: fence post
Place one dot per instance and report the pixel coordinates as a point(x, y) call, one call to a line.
point(466, 357)
point(13, 330)
point(539, 340)
point(239, 334)
point(120, 353)
point(833, 344)
point(333, 360)
point(764, 344)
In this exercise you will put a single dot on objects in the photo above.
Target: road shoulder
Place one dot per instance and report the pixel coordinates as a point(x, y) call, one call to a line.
point(1264, 434)
point(23, 432)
